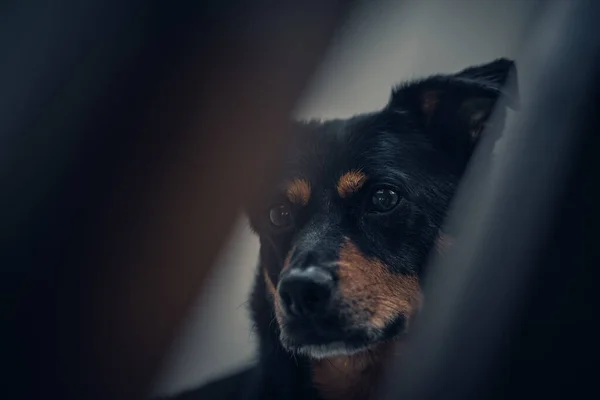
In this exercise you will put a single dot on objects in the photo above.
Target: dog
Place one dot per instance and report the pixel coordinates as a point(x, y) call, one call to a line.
point(347, 229)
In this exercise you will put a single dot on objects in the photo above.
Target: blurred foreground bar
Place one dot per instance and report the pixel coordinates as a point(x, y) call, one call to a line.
point(132, 133)
point(510, 312)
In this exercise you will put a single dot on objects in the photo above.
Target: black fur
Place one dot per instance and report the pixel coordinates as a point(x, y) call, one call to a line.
point(419, 146)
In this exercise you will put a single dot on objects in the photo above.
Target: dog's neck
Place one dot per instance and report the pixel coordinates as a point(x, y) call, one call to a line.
point(352, 377)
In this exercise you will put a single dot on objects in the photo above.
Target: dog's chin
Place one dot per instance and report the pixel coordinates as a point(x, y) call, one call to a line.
point(321, 351)
point(341, 346)
point(318, 341)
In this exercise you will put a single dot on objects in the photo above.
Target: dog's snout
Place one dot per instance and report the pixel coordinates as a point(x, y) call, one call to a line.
point(306, 292)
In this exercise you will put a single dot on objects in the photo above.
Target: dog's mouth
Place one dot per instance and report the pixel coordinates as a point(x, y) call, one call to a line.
point(335, 335)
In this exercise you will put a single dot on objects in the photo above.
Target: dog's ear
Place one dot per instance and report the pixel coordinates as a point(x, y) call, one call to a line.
point(456, 108)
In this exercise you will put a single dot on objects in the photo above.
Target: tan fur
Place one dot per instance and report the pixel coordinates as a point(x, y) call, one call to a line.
point(270, 286)
point(286, 262)
point(298, 191)
point(429, 102)
point(273, 290)
point(354, 377)
point(275, 297)
point(350, 183)
point(373, 288)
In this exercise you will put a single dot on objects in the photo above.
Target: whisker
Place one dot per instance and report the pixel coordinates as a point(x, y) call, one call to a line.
point(245, 303)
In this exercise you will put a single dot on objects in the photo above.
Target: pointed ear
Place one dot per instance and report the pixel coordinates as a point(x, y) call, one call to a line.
point(456, 108)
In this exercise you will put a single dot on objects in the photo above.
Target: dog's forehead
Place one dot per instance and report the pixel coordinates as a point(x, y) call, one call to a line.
point(368, 145)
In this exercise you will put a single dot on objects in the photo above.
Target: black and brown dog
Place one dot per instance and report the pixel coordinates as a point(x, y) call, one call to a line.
point(347, 231)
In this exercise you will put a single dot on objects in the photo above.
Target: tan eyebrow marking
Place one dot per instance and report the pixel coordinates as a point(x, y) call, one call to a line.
point(298, 191)
point(350, 183)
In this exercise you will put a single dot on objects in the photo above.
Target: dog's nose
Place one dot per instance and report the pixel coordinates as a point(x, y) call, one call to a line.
point(306, 292)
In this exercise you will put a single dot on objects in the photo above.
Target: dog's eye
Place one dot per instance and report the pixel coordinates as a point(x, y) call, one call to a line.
point(384, 200)
point(280, 216)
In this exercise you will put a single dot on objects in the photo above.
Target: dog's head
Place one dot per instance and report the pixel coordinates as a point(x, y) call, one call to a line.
point(359, 205)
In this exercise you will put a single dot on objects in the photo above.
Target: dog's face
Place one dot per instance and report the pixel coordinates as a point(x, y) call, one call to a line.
point(353, 215)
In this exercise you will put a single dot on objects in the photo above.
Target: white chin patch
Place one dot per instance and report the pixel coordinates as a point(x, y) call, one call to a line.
point(327, 350)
